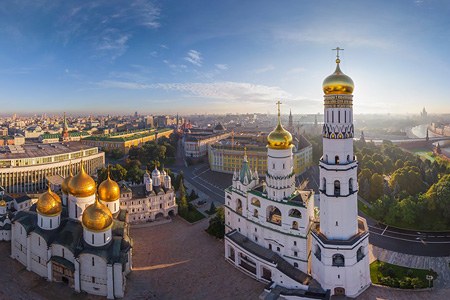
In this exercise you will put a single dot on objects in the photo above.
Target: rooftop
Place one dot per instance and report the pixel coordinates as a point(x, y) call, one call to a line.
point(39, 150)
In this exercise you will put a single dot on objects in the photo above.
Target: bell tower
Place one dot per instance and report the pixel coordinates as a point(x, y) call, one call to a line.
point(340, 240)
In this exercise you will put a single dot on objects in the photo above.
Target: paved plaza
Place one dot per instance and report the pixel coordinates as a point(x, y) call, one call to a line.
point(178, 260)
point(181, 261)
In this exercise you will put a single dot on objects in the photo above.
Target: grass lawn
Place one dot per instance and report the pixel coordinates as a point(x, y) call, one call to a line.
point(383, 273)
point(192, 215)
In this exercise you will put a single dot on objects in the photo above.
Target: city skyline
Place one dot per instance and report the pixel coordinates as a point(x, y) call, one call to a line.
point(168, 57)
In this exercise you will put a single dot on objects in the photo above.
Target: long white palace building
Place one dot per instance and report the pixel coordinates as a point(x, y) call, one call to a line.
point(272, 233)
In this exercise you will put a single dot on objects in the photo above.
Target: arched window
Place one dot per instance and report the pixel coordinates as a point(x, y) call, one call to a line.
point(295, 213)
point(336, 160)
point(295, 225)
point(324, 185)
point(273, 215)
point(255, 213)
point(337, 188)
point(255, 202)
point(348, 158)
point(239, 206)
point(350, 185)
point(295, 265)
point(326, 158)
point(338, 260)
point(360, 253)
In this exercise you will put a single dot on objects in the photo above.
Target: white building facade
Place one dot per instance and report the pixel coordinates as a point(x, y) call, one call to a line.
point(78, 242)
point(153, 199)
point(267, 224)
point(340, 260)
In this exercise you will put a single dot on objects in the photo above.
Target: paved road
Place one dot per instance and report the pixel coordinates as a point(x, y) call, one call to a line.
point(394, 239)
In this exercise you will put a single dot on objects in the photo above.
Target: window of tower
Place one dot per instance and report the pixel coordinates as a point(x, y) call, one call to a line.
point(326, 158)
point(336, 159)
point(273, 215)
point(255, 213)
point(324, 185)
point(348, 158)
point(337, 188)
point(350, 185)
point(318, 253)
point(360, 254)
point(338, 260)
point(295, 213)
point(295, 225)
point(339, 116)
point(239, 206)
point(345, 116)
point(332, 116)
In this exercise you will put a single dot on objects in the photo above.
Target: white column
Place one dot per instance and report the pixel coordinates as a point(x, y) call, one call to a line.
point(28, 252)
point(76, 276)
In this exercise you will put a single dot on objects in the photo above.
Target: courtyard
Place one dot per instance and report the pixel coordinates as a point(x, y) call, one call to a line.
point(175, 260)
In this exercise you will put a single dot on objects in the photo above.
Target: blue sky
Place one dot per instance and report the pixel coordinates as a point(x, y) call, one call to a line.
point(203, 56)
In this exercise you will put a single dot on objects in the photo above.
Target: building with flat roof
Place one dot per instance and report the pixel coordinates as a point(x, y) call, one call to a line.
point(25, 168)
point(125, 140)
point(226, 155)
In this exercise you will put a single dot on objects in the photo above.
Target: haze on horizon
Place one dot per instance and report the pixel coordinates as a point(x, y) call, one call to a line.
point(200, 56)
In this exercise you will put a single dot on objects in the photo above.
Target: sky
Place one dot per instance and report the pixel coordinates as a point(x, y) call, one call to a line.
point(234, 56)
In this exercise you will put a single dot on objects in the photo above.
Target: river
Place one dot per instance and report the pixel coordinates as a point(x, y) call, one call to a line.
point(420, 131)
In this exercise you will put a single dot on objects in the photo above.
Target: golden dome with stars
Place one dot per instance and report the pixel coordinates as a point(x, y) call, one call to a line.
point(49, 204)
point(279, 138)
point(338, 82)
point(82, 185)
point(108, 190)
point(97, 217)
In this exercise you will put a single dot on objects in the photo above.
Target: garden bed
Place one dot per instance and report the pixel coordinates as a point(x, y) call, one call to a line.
point(383, 273)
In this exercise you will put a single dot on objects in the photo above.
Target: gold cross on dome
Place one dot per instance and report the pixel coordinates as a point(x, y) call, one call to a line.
point(337, 49)
point(278, 103)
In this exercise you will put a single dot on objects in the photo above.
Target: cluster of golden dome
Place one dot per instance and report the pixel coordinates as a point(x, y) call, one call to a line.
point(97, 216)
point(337, 83)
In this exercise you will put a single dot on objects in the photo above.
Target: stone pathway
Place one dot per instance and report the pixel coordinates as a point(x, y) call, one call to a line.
point(438, 264)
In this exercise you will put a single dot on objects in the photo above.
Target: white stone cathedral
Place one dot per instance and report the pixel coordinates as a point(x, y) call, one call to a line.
point(81, 241)
point(271, 231)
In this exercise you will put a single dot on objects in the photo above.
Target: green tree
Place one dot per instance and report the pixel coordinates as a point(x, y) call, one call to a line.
point(212, 208)
point(178, 180)
point(376, 187)
point(217, 224)
point(117, 173)
point(438, 196)
point(183, 205)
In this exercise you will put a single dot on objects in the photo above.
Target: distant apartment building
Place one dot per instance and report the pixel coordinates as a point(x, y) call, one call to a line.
point(196, 141)
point(16, 139)
point(3, 131)
point(125, 140)
point(48, 138)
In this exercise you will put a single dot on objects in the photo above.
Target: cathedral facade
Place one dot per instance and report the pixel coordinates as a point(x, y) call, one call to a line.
point(271, 230)
point(81, 240)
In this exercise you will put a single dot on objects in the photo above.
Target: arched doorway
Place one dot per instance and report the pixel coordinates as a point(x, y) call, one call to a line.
point(159, 216)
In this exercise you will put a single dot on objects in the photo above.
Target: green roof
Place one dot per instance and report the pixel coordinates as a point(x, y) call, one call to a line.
point(119, 137)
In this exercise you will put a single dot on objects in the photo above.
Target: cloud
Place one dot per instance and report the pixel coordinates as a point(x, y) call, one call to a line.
point(335, 36)
point(296, 70)
point(216, 91)
point(222, 67)
point(106, 27)
point(194, 57)
point(264, 69)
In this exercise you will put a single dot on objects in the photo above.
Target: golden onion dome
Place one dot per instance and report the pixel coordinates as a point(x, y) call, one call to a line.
point(108, 190)
point(65, 184)
point(49, 204)
point(2, 202)
point(279, 138)
point(338, 82)
point(97, 217)
point(82, 185)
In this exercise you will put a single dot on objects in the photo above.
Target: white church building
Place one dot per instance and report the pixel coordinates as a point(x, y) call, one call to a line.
point(271, 231)
point(81, 240)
